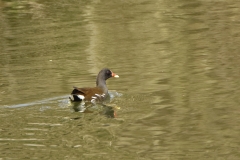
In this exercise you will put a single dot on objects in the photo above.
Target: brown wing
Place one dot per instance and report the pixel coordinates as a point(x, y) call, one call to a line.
point(87, 92)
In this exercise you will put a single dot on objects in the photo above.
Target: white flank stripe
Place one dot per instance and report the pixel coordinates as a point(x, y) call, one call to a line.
point(97, 95)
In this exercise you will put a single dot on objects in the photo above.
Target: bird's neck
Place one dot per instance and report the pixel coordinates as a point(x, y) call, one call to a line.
point(102, 84)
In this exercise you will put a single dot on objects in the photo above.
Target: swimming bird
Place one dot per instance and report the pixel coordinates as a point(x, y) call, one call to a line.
point(94, 94)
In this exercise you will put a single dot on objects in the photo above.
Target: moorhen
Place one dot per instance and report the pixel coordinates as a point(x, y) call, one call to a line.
point(98, 93)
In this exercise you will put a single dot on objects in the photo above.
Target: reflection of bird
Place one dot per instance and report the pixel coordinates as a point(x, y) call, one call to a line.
point(108, 111)
point(102, 109)
point(98, 93)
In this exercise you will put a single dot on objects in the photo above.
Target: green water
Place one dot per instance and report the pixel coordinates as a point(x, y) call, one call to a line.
point(178, 92)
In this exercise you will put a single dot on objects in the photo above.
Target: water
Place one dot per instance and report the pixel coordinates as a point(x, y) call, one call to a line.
point(178, 92)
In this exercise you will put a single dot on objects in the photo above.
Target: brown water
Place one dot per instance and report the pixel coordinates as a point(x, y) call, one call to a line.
point(178, 92)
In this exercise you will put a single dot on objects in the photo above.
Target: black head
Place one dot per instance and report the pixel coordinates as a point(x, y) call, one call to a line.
point(103, 75)
point(106, 73)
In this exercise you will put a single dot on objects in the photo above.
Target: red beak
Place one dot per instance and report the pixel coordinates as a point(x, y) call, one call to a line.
point(114, 75)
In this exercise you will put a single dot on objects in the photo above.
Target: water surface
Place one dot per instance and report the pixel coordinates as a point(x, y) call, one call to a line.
point(178, 92)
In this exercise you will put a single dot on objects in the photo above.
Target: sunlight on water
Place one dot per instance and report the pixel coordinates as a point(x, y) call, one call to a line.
point(63, 101)
point(178, 92)
point(45, 101)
